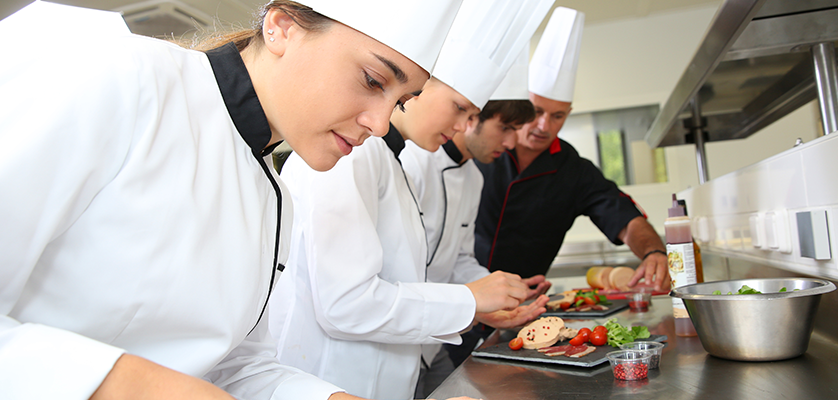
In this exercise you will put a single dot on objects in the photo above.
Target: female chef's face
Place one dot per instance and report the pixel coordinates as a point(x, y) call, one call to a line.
point(435, 116)
point(550, 116)
point(325, 92)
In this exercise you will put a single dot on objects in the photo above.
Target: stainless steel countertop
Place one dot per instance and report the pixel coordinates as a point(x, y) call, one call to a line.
point(686, 371)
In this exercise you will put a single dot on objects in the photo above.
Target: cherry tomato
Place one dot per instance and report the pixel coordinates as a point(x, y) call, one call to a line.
point(598, 338)
point(585, 333)
point(516, 344)
point(590, 301)
point(578, 340)
point(600, 328)
point(577, 298)
point(565, 306)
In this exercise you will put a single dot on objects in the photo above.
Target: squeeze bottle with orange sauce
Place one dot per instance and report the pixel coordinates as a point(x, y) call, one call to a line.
point(681, 258)
point(699, 268)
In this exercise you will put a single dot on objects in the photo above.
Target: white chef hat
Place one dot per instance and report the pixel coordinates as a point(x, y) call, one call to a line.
point(414, 28)
point(61, 20)
point(485, 40)
point(44, 21)
point(553, 65)
point(514, 85)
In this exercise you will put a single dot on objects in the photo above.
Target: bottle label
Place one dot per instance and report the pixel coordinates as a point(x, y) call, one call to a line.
point(682, 272)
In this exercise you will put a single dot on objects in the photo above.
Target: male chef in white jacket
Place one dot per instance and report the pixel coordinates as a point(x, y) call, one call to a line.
point(448, 186)
point(355, 304)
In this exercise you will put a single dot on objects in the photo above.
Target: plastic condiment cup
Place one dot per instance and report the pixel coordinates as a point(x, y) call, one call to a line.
point(639, 301)
point(629, 365)
point(654, 348)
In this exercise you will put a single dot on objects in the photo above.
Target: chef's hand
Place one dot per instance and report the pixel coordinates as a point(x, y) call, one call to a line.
point(498, 291)
point(504, 319)
point(541, 286)
point(134, 377)
point(655, 268)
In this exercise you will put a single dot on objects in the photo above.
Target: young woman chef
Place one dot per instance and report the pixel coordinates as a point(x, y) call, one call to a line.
point(448, 186)
point(354, 306)
point(143, 261)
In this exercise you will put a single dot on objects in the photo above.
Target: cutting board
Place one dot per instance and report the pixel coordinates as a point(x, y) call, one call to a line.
point(502, 351)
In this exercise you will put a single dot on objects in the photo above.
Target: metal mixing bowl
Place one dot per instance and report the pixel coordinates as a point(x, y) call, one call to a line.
point(754, 327)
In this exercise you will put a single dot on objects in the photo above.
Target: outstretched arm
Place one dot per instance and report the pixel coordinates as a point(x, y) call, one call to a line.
point(134, 377)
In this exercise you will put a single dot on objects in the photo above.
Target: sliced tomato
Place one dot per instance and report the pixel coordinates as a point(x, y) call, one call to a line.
point(578, 340)
point(585, 333)
point(590, 301)
point(564, 306)
point(598, 338)
point(516, 344)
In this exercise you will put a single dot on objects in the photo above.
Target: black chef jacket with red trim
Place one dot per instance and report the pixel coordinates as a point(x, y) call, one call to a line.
point(524, 216)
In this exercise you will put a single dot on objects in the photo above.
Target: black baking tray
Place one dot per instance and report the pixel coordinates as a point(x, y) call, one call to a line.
point(615, 306)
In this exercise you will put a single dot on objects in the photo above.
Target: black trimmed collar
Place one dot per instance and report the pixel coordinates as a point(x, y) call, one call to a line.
point(394, 140)
point(453, 152)
point(240, 98)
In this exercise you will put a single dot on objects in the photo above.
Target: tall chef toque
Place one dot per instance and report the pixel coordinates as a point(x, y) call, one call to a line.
point(514, 85)
point(71, 22)
point(414, 28)
point(68, 20)
point(485, 40)
point(553, 65)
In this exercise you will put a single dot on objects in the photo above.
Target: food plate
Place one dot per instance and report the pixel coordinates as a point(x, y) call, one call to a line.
point(502, 350)
point(616, 305)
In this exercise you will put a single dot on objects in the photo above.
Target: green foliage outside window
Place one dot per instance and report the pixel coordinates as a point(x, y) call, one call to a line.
point(660, 165)
point(612, 156)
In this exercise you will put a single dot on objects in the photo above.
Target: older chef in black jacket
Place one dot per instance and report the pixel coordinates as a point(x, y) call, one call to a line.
point(532, 194)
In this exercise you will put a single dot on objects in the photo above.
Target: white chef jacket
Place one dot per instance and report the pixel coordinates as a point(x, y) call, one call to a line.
point(357, 307)
point(138, 214)
point(449, 194)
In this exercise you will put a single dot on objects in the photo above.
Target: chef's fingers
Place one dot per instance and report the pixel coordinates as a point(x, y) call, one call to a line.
point(521, 315)
point(539, 290)
point(498, 291)
point(541, 301)
point(518, 289)
point(543, 287)
point(524, 314)
point(663, 281)
point(638, 275)
point(535, 280)
point(652, 275)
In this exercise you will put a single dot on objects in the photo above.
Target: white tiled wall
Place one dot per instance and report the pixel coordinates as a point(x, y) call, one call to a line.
point(752, 213)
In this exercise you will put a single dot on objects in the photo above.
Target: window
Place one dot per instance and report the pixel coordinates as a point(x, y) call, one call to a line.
point(612, 160)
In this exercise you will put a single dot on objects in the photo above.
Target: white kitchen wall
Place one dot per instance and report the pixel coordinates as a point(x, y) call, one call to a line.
point(752, 213)
point(637, 62)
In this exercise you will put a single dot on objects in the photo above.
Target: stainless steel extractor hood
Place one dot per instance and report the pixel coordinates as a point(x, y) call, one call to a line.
point(754, 66)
